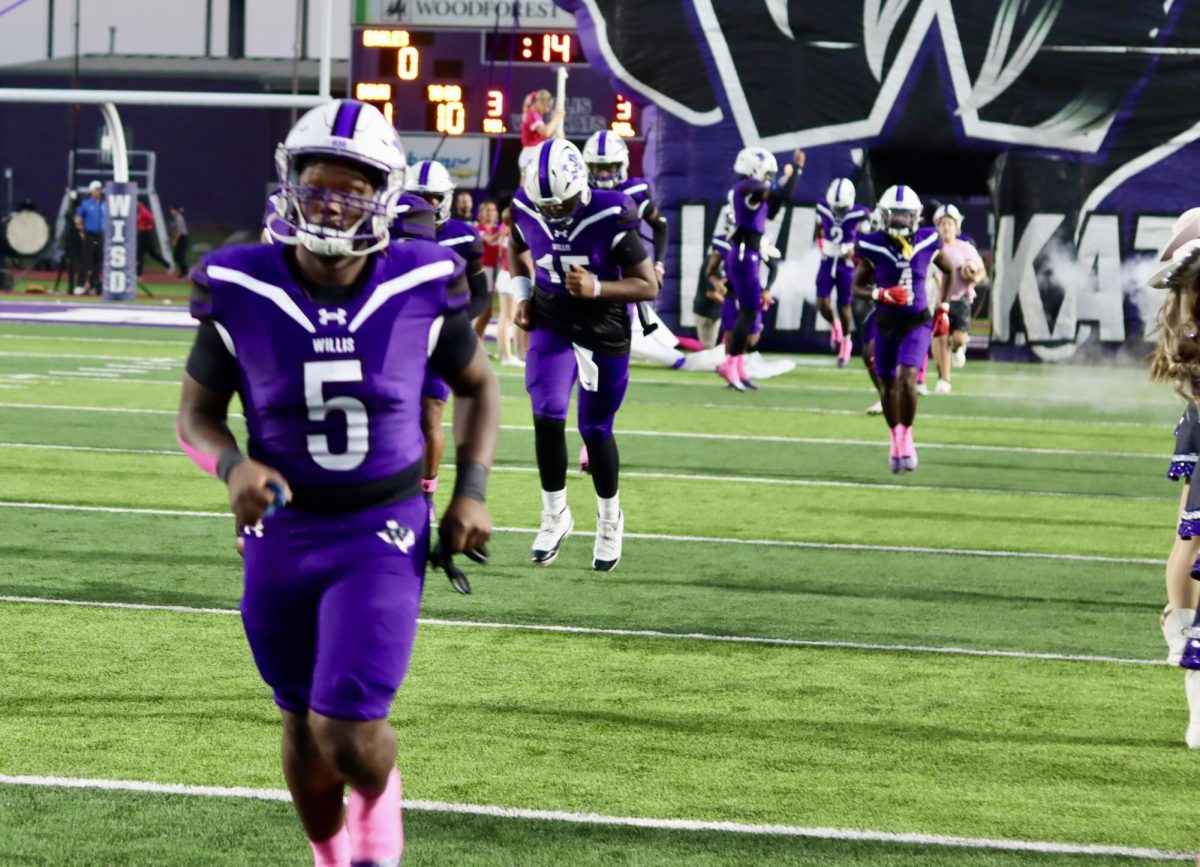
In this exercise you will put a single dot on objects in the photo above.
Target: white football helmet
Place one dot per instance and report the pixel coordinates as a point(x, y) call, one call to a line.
point(350, 132)
point(556, 181)
point(430, 180)
point(948, 211)
point(607, 158)
point(901, 211)
point(840, 196)
point(757, 163)
point(875, 220)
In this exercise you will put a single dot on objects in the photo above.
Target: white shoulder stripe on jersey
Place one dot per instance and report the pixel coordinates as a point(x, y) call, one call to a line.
point(823, 210)
point(398, 285)
point(636, 188)
point(930, 240)
point(461, 239)
point(866, 245)
point(583, 224)
point(642, 208)
point(225, 338)
point(274, 294)
point(536, 216)
point(617, 239)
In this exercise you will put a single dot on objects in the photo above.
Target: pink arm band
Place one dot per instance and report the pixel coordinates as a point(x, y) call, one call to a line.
point(204, 461)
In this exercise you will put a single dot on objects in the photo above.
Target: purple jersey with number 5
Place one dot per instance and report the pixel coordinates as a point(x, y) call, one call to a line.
point(331, 392)
point(901, 262)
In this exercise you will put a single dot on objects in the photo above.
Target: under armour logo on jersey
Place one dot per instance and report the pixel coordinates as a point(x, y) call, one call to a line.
point(561, 233)
point(402, 537)
point(256, 531)
point(327, 316)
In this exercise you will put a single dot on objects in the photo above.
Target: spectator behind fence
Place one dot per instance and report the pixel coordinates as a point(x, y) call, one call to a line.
point(89, 221)
point(179, 240)
point(147, 245)
point(535, 129)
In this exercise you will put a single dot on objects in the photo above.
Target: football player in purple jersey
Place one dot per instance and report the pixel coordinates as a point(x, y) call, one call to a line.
point(892, 266)
point(840, 222)
point(578, 265)
point(754, 199)
point(429, 181)
point(325, 337)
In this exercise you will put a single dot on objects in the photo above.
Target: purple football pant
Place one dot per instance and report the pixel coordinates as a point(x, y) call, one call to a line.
point(910, 350)
point(550, 373)
point(330, 605)
point(835, 274)
point(434, 386)
point(729, 312)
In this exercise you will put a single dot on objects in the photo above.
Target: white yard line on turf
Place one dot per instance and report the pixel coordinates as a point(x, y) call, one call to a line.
point(637, 633)
point(718, 384)
point(758, 438)
point(182, 344)
point(666, 537)
point(698, 825)
point(701, 477)
point(926, 414)
point(129, 359)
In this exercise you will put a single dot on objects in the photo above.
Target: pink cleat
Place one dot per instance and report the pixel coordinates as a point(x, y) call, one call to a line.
point(835, 334)
point(844, 351)
point(584, 465)
point(728, 371)
point(743, 376)
point(908, 451)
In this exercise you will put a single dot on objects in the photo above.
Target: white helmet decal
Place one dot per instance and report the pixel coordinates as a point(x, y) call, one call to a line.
point(756, 163)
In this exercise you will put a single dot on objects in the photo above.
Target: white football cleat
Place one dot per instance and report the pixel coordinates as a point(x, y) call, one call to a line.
point(922, 388)
point(606, 553)
point(1175, 624)
point(1191, 682)
point(960, 357)
point(550, 536)
point(942, 387)
point(876, 408)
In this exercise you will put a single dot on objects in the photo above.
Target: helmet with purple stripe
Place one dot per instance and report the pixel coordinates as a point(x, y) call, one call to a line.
point(351, 221)
point(430, 180)
point(840, 195)
point(556, 181)
point(901, 211)
point(607, 158)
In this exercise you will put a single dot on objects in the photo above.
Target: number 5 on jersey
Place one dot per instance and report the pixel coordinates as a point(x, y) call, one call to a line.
point(316, 375)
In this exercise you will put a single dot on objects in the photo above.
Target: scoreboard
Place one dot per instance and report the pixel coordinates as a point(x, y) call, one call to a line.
point(457, 82)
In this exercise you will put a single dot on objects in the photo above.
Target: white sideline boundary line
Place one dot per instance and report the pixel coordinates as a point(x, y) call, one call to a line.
point(697, 825)
point(696, 477)
point(760, 438)
point(927, 414)
point(631, 633)
point(182, 344)
point(156, 360)
point(665, 537)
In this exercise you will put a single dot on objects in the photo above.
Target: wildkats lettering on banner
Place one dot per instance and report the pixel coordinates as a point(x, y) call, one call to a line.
point(533, 14)
point(1065, 114)
point(120, 241)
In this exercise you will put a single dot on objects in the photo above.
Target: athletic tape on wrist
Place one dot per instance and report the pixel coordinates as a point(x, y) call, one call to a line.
point(229, 459)
point(471, 481)
point(522, 288)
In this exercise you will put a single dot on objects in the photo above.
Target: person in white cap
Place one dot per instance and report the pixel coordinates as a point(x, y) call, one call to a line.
point(1176, 360)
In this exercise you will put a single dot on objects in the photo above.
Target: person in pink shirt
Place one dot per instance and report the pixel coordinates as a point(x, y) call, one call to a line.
point(957, 295)
point(535, 127)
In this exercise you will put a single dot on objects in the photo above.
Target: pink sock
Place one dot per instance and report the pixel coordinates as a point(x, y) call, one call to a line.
point(921, 372)
point(741, 367)
point(903, 440)
point(895, 436)
point(334, 852)
point(846, 349)
point(836, 325)
point(376, 830)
